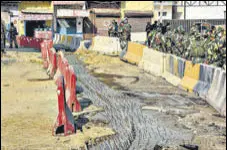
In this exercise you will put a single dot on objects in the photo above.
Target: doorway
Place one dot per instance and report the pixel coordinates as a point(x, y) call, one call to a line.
point(31, 25)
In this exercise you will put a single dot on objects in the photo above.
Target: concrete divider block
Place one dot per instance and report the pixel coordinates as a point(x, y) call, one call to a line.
point(140, 37)
point(69, 41)
point(205, 80)
point(106, 45)
point(217, 93)
point(173, 69)
point(191, 76)
point(58, 38)
point(152, 61)
point(134, 53)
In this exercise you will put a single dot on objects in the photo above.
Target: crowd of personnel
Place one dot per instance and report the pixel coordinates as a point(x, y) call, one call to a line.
point(209, 48)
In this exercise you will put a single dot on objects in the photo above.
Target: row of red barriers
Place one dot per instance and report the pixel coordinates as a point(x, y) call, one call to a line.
point(30, 42)
point(45, 51)
point(67, 102)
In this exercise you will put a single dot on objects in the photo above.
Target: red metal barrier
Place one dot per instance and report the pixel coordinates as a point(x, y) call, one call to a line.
point(53, 61)
point(72, 101)
point(65, 118)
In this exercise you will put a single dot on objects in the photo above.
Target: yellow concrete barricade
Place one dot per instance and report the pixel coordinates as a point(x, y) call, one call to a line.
point(106, 45)
point(62, 40)
point(134, 53)
point(69, 41)
point(191, 76)
point(152, 61)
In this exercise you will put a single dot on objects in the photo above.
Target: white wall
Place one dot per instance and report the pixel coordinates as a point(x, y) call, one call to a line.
point(205, 12)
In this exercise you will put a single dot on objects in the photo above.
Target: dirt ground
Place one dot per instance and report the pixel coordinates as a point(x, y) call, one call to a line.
point(29, 104)
point(174, 106)
point(29, 107)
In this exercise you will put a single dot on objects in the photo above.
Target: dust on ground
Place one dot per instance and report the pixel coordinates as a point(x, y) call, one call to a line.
point(29, 107)
point(174, 106)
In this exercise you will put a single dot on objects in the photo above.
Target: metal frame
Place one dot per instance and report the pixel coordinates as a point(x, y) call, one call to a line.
point(200, 3)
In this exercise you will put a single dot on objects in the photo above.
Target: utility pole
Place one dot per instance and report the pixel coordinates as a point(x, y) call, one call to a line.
point(184, 10)
point(161, 10)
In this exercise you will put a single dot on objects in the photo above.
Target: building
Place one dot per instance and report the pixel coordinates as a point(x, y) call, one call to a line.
point(138, 13)
point(9, 12)
point(163, 10)
point(101, 15)
point(34, 14)
point(69, 16)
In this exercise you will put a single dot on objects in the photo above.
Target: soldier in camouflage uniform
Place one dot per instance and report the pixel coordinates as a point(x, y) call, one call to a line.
point(179, 41)
point(158, 39)
point(197, 51)
point(125, 35)
point(219, 51)
point(111, 29)
point(168, 40)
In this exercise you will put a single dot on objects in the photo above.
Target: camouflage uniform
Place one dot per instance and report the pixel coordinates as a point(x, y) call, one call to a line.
point(168, 40)
point(220, 48)
point(197, 50)
point(179, 41)
point(125, 36)
point(111, 29)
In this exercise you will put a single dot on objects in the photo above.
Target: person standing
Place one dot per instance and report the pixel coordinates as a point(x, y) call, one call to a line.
point(13, 33)
point(154, 26)
point(125, 35)
point(111, 29)
point(3, 37)
point(148, 30)
point(115, 29)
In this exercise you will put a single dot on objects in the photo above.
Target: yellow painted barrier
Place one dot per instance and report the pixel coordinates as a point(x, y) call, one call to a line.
point(69, 40)
point(134, 53)
point(191, 76)
point(63, 38)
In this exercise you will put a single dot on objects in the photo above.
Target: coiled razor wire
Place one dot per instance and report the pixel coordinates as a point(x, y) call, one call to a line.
point(134, 130)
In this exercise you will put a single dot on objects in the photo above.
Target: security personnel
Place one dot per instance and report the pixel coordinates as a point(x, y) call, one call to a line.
point(111, 29)
point(125, 35)
point(13, 33)
point(148, 30)
point(3, 36)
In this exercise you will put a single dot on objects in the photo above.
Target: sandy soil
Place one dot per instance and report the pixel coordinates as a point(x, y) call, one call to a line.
point(29, 107)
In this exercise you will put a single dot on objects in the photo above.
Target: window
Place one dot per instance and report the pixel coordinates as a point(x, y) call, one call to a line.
point(163, 13)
